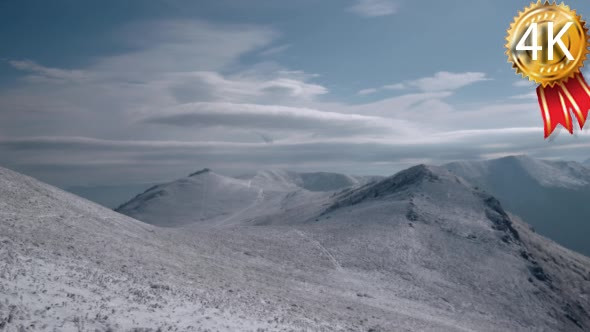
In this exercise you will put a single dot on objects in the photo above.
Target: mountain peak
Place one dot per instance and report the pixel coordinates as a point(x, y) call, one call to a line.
point(203, 196)
point(400, 183)
point(419, 171)
point(203, 171)
point(413, 176)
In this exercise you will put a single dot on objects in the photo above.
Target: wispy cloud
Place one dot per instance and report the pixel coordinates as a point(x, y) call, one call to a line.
point(275, 50)
point(242, 86)
point(367, 91)
point(373, 8)
point(41, 73)
point(441, 81)
point(445, 81)
point(181, 45)
point(397, 86)
point(278, 118)
point(177, 62)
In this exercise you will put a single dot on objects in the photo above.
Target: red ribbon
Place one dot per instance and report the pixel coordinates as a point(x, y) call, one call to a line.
point(557, 101)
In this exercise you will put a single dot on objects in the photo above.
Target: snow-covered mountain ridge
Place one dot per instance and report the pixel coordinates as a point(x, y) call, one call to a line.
point(421, 250)
point(211, 198)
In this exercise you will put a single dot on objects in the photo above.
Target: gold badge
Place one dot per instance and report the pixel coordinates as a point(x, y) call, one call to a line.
point(548, 44)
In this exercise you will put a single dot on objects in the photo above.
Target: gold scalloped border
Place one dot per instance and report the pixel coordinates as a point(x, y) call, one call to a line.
point(510, 34)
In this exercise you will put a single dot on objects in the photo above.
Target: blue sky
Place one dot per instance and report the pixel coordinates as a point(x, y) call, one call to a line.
point(141, 91)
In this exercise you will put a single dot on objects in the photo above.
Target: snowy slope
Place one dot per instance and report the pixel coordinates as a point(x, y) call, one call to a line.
point(421, 250)
point(71, 265)
point(552, 195)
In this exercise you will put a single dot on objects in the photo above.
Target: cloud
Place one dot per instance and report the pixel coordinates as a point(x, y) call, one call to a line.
point(170, 63)
point(185, 95)
point(46, 74)
point(275, 50)
point(88, 143)
point(374, 8)
point(277, 118)
point(367, 91)
point(398, 106)
point(241, 86)
point(397, 86)
point(69, 160)
point(441, 81)
point(446, 81)
point(181, 45)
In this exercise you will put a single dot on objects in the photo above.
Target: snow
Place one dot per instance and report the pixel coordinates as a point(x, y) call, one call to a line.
point(421, 250)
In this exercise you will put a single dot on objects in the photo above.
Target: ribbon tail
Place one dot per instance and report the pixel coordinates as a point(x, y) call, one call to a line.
point(554, 109)
point(577, 96)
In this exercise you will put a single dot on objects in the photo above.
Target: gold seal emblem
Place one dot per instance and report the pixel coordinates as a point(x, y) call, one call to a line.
point(548, 43)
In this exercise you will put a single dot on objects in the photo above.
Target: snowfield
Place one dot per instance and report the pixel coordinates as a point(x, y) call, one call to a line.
point(422, 250)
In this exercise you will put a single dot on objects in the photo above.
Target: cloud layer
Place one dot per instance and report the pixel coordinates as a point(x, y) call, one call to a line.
point(181, 97)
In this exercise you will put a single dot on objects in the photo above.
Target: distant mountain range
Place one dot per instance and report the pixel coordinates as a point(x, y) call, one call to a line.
point(207, 197)
point(420, 250)
point(552, 196)
point(112, 196)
